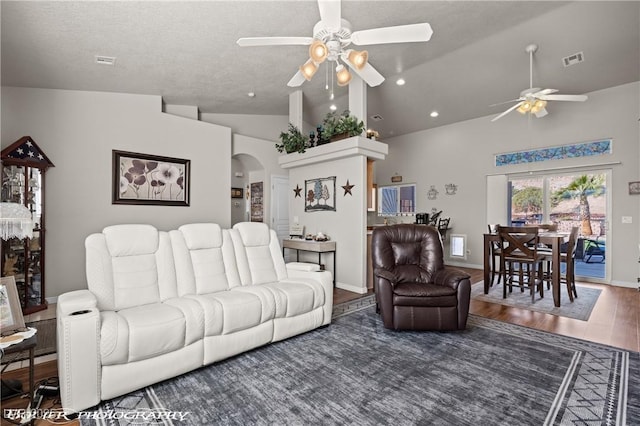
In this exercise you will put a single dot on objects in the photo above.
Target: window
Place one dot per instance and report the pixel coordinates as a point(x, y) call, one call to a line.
point(397, 200)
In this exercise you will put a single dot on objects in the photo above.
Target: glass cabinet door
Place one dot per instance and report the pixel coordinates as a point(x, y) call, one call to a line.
point(23, 259)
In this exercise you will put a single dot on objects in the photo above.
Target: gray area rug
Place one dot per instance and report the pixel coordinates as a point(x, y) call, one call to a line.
point(357, 372)
point(580, 308)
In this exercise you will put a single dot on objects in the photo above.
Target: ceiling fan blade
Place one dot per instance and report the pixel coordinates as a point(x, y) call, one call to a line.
point(541, 113)
point(574, 98)
point(274, 41)
point(399, 34)
point(545, 92)
point(507, 111)
point(506, 102)
point(368, 73)
point(296, 80)
point(330, 14)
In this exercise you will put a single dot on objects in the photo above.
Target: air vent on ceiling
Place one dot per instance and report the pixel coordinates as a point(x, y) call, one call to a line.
point(105, 60)
point(576, 58)
point(376, 117)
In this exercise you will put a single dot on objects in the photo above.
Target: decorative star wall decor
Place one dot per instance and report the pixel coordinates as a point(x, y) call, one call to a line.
point(347, 188)
point(297, 191)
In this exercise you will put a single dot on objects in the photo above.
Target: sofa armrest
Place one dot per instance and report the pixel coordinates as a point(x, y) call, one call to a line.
point(76, 302)
point(449, 276)
point(78, 333)
point(325, 278)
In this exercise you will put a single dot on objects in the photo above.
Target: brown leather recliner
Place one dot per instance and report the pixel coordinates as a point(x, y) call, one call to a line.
point(414, 289)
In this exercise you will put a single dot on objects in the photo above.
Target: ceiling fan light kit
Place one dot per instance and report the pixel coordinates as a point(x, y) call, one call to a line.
point(343, 75)
point(331, 37)
point(534, 99)
point(309, 69)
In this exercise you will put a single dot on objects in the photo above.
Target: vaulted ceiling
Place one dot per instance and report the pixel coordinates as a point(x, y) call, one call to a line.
point(186, 52)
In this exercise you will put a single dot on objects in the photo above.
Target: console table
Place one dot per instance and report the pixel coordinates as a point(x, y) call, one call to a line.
point(312, 246)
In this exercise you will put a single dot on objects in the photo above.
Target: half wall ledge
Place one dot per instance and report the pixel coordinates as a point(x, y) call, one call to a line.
point(344, 148)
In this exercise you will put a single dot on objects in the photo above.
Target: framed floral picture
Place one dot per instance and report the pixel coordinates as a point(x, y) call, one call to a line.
point(11, 318)
point(320, 194)
point(150, 179)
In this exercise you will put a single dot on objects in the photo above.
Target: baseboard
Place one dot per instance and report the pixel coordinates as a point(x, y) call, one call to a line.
point(351, 288)
point(463, 265)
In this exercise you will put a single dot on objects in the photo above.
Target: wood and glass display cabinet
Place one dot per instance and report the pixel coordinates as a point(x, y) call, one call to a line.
point(23, 169)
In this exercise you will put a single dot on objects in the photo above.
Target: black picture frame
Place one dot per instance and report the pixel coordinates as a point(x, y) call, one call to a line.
point(145, 179)
point(236, 193)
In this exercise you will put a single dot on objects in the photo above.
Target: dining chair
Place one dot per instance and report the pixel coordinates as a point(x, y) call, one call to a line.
point(494, 249)
point(520, 261)
point(569, 277)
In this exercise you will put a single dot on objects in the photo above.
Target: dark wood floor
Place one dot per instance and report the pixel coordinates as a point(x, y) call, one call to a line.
point(615, 321)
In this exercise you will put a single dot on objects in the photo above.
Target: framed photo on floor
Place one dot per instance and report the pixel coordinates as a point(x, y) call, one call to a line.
point(11, 318)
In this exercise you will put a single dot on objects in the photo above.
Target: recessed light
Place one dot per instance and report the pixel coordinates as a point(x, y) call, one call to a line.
point(400, 82)
point(251, 94)
point(333, 107)
point(434, 114)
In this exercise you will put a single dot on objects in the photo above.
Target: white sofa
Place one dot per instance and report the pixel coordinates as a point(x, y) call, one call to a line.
point(160, 304)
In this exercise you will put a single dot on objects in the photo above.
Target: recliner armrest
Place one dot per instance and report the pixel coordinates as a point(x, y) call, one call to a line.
point(78, 334)
point(74, 302)
point(449, 276)
point(387, 275)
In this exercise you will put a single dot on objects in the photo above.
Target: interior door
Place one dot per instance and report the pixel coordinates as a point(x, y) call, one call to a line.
point(280, 206)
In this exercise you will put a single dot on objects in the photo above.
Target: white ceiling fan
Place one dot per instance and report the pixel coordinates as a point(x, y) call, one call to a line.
point(534, 99)
point(331, 38)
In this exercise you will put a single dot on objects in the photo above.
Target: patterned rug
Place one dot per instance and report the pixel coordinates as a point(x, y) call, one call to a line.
point(580, 308)
point(357, 372)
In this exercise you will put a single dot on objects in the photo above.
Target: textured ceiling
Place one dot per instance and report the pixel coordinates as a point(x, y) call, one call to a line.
point(186, 52)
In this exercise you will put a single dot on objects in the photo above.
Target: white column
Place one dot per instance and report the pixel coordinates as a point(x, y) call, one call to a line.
point(358, 98)
point(295, 109)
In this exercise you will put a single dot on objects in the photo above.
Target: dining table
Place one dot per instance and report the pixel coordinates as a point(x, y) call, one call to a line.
point(553, 240)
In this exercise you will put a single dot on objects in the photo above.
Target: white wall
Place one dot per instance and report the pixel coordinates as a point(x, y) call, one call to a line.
point(263, 127)
point(346, 226)
point(77, 130)
point(265, 153)
point(463, 154)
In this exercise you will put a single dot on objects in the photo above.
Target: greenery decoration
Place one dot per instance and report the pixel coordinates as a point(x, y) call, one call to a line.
point(334, 124)
point(292, 141)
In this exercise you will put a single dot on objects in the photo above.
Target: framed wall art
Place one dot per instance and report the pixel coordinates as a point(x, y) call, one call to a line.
point(634, 188)
point(320, 194)
point(11, 318)
point(150, 179)
point(257, 206)
point(236, 193)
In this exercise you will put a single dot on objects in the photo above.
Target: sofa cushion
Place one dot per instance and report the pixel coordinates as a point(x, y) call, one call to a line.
point(130, 265)
point(141, 332)
point(131, 240)
point(226, 312)
point(301, 295)
point(424, 294)
point(257, 253)
point(204, 259)
point(202, 235)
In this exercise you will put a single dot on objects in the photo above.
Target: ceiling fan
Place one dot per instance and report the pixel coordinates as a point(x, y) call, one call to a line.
point(331, 39)
point(534, 99)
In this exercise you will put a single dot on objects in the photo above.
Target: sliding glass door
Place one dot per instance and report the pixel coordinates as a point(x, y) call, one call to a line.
point(567, 200)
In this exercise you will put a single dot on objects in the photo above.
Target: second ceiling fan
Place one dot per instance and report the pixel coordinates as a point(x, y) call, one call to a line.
point(330, 42)
point(534, 99)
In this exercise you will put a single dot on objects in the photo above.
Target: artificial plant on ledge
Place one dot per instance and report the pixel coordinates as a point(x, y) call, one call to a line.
point(345, 125)
point(292, 141)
